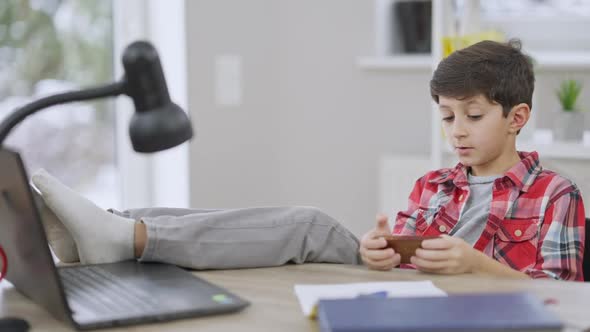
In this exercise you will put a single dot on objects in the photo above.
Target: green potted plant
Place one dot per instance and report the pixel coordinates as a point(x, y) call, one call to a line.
point(569, 125)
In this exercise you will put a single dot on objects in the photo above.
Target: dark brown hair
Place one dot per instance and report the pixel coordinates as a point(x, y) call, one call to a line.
point(499, 71)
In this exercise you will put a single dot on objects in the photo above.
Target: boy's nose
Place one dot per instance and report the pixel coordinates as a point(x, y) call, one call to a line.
point(459, 129)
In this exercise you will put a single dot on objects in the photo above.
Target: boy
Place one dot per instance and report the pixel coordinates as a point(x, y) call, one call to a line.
point(498, 211)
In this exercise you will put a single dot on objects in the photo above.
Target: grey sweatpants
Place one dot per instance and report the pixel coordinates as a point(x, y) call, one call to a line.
point(244, 238)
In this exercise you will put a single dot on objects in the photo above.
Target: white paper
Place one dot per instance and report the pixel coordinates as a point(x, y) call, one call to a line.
point(309, 295)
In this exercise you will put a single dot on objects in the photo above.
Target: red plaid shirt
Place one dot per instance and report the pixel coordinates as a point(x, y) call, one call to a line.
point(536, 221)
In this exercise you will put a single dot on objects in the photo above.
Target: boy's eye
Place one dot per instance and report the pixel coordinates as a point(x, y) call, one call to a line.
point(448, 118)
point(474, 117)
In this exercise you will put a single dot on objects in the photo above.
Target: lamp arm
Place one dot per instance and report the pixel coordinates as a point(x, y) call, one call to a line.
point(113, 89)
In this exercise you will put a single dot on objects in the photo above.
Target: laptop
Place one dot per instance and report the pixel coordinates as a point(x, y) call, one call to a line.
point(93, 296)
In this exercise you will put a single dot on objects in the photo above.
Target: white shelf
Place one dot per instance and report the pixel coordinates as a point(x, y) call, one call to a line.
point(560, 150)
point(396, 62)
point(556, 150)
point(569, 60)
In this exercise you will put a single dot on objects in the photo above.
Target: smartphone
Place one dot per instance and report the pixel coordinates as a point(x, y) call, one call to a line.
point(406, 245)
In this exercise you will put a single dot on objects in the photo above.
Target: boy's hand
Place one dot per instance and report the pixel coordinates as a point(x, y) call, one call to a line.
point(446, 255)
point(373, 247)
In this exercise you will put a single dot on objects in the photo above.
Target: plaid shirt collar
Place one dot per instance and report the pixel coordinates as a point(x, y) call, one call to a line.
point(521, 175)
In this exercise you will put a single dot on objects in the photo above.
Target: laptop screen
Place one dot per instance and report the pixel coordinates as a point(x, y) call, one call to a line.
point(31, 267)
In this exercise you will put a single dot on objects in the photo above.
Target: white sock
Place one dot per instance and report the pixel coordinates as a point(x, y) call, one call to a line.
point(60, 240)
point(101, 237)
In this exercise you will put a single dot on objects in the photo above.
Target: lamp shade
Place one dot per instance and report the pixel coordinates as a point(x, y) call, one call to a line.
point(158, 123)
point(159, 128)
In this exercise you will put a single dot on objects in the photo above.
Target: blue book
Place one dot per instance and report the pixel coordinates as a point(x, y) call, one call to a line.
point(473, 312)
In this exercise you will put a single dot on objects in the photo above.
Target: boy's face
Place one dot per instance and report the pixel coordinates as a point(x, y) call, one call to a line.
point(480, 135)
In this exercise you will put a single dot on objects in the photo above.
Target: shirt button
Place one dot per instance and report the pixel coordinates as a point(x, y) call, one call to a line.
point(518, 232)
point(461, 197)
point(442, 228)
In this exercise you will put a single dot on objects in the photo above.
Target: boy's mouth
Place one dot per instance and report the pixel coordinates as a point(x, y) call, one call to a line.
point(463, 150)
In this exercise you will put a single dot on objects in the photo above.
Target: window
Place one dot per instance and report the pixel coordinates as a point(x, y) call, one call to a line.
point(50, 46)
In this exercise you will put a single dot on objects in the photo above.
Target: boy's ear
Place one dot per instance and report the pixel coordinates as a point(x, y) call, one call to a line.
point(518, 117)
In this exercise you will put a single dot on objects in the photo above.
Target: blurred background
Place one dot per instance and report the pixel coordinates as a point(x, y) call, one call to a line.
point(53, 46)
point(322, 103)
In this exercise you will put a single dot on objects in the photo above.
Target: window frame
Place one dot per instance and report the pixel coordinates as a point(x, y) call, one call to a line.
point(163, 178)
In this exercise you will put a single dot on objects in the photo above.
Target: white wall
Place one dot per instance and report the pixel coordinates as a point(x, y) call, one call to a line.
point(312, 126)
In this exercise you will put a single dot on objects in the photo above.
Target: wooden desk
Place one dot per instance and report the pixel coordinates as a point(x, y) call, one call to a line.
point(275, 307)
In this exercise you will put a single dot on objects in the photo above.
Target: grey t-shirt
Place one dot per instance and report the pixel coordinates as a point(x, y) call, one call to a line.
point(474, 216)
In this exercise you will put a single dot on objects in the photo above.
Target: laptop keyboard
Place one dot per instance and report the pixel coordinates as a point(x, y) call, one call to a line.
point(99, 291)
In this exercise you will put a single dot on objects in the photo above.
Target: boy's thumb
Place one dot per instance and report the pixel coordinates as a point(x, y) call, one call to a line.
point(382, 223)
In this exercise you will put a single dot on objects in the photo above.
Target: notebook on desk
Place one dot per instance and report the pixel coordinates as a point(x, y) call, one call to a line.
point(474, 312)
point(94, 296)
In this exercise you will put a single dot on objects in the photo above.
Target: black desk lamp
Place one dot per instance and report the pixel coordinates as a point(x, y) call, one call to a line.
point(158, 123)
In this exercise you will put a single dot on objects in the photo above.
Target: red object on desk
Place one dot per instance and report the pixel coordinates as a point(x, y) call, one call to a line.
point(4, 263)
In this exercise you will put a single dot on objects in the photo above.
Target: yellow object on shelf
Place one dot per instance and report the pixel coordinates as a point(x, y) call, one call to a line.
point(452, 43)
